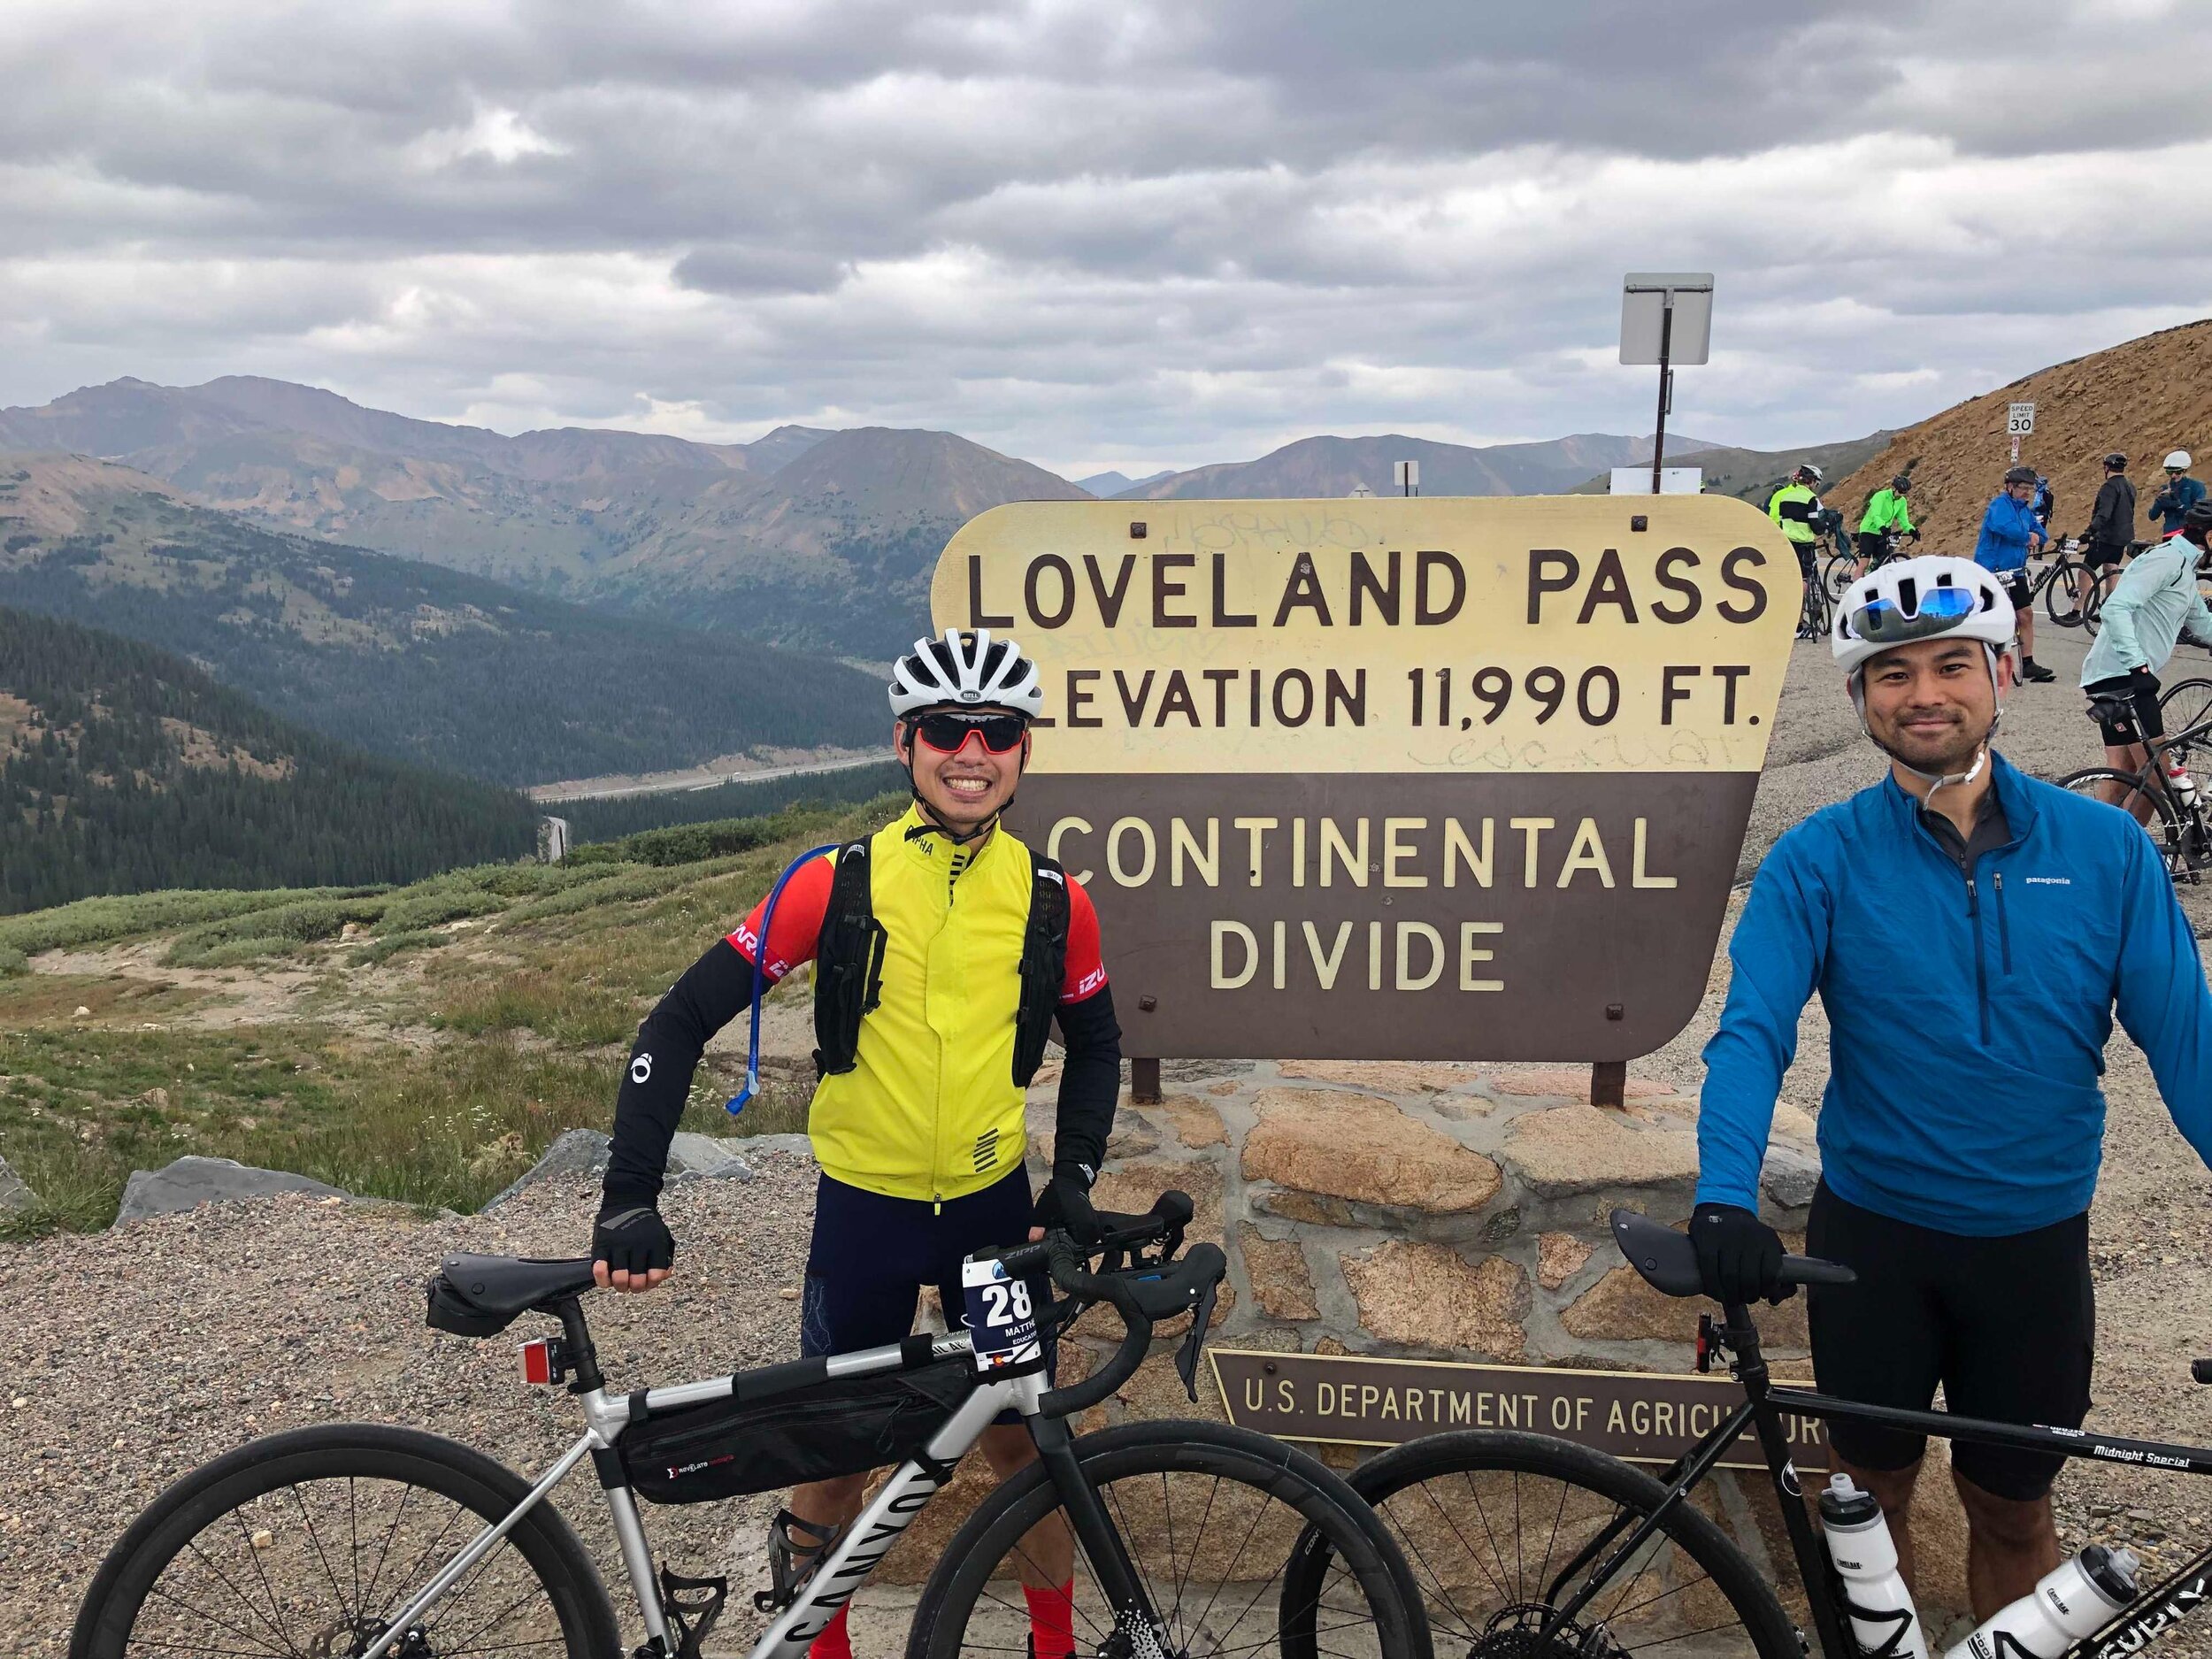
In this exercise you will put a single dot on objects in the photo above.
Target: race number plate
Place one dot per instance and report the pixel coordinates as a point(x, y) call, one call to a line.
point(1002, 1322)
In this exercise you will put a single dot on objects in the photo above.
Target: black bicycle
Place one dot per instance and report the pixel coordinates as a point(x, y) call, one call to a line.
point(1531, 1547)
point(2161, 796)
point(361, 1540)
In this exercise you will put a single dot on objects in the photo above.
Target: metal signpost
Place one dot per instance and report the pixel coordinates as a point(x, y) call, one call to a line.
point(1666, 318)
point(2019, 423)
point(1407, 476)
point(1435, 778)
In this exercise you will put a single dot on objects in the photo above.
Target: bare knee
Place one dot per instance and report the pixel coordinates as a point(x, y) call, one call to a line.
point(1007, 1448)
point(835, 1501)
point(1892, 1487)
point(2009, 1524)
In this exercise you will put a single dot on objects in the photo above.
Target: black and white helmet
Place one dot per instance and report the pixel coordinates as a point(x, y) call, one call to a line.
point(967, 669)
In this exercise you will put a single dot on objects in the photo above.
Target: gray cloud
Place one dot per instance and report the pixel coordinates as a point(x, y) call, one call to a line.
point(1151, 235)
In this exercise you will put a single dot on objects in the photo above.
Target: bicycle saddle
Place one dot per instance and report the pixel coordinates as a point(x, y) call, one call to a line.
point(481, 1295)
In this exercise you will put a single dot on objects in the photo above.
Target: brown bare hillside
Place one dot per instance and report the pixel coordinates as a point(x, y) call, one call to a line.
point(2142, 398)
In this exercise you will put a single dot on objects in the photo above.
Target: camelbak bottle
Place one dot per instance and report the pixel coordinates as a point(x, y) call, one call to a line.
point(2074, 1600)
point(1880, 1606)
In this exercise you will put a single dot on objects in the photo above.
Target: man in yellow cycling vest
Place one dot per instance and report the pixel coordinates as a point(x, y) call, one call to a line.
point(939, 959)
point(1792, 508)
point(1887, 513)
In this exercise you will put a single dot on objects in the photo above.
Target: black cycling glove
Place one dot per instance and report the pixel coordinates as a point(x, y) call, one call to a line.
point(632, 1239)
point(1065, 1202)
point(1739, 1257)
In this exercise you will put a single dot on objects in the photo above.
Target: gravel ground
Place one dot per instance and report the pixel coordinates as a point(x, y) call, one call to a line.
point(133, 1355)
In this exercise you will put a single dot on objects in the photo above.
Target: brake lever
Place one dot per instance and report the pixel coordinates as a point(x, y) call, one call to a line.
point(1186, 1356)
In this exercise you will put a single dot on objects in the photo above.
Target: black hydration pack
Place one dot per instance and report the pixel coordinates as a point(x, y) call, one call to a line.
point(848, 963)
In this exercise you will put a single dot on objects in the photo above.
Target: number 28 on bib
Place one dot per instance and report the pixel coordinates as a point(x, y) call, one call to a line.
point(1001, 1321)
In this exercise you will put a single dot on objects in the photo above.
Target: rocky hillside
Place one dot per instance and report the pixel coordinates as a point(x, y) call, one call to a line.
point(2142, 398)
point(403, 658)
point(123, 769)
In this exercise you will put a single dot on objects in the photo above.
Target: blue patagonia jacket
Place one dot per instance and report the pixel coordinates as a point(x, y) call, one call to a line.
point(2171, 504)
point(2006, 527)
point(1967, 1021)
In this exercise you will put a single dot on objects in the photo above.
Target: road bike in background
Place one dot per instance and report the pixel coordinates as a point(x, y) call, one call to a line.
point(369, 1542)
point(2164, 796)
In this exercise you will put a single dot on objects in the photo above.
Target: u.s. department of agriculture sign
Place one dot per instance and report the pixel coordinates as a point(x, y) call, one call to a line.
point(1374, 778)
point(1645, 1417)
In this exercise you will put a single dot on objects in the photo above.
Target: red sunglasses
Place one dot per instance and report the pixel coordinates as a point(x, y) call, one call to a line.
point(945, 731)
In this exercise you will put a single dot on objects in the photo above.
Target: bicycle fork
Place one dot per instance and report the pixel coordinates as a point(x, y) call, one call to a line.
point(1135, 1619)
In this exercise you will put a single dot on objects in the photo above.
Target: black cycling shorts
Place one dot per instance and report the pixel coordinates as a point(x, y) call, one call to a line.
point(2098, 555)
point(2007, 1325)
point(1872, 545)
point(2140, 692)
point(871, 1255)
point(2015, 586)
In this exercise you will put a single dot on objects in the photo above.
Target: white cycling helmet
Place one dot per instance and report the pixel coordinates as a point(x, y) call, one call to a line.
point(2178, 460)
point(1898, 604)
point(967, 669)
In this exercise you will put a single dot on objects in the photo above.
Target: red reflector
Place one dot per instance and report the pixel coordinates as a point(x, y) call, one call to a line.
point(537, 1362)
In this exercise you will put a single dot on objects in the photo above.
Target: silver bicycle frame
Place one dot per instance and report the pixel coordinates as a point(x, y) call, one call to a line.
point(840, 1575)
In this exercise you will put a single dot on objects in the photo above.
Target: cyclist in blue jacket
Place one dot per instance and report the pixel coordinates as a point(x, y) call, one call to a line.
point(2010, 531)
point(1970, 932)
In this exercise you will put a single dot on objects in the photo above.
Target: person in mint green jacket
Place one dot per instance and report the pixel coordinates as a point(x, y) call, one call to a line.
point(2143, 620)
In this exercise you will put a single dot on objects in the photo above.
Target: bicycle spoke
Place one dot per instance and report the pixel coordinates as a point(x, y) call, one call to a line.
point(314, 1537)
point(208, 1617)
point(221, 1578)
point(254, 1555)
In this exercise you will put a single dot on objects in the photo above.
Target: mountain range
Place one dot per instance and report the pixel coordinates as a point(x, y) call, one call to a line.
point(401, 658)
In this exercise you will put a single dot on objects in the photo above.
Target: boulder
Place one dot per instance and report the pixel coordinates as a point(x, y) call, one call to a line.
point(15, 1197)
point(706, 1157)
point(574, 1152)
point(1195, 1123)
point(1281, 1282)
point(192, 1181)
point(1429, 1295)
point(1573, 1082)
point(1364, 1150)
point(1789, 1175)
point(690, 1157)
point(1559, 1257)
point(1395, 1076)
point(1570, 1149)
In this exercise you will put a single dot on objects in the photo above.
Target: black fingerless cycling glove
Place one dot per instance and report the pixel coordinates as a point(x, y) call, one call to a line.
point(632, 1239)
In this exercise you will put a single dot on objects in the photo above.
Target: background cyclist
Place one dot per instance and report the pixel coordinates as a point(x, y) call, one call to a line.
point(2143, 621)
point(917, 1121)
point(2010, 531)
point(2111, 525)
point(1887, 514)
point(2171, 504)
point(1792, 507)
point(1970, 932)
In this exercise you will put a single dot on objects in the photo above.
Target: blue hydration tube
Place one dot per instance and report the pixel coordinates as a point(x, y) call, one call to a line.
point(760, 953)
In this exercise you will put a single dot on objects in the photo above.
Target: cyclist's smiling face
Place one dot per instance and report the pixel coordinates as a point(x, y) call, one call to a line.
point(963, 789)
point(1932, 702)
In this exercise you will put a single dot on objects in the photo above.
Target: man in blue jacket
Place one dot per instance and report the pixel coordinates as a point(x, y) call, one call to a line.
point(1970, 932)
point(2010, 531)
point(2171, 504)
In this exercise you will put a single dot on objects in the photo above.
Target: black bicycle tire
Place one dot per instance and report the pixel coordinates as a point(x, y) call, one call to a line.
point(2057, 585)
point(1003, 1518)
point(1834, 589)
point(2200, 688)
point(1463, 1451)
point(544, 1538)
point(2092, 609)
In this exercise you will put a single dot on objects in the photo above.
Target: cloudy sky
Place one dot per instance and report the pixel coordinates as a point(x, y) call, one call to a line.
point(1098, 233)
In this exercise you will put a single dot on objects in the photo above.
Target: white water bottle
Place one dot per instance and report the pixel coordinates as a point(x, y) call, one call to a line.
point(2180, 781)
point(1881, 1609)
point(2075, 1599)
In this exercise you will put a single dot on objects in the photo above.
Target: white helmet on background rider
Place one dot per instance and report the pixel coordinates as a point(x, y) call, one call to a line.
point(2178, 462)
point(966, 670)
point(1929, 597)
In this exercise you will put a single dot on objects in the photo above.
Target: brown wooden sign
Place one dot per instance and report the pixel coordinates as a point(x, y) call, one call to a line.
point(1391, 778)
point(1646, 1418)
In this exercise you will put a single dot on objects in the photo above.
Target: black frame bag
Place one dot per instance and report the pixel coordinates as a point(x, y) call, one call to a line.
point(845, 1426)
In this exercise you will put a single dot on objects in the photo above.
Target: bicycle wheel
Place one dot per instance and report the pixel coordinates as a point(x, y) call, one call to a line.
point(312, 1541)
point(2186, 703)
point(2125, 790)
point(2062, 594)
point(2093, 608)
point(1835, 576)
point(1500, 1527)
point(1210, 1515)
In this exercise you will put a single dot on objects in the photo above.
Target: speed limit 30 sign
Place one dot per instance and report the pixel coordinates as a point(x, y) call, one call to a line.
point(2020, 419)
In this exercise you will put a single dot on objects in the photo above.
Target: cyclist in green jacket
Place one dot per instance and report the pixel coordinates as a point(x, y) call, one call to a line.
point(1887, 513)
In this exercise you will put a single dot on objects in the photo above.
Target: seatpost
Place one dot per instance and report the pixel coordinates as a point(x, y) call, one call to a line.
point(576, 1339)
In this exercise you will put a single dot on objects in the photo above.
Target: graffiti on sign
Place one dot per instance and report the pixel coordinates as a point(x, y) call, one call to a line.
point(1645, 1417)
point(1366, 778)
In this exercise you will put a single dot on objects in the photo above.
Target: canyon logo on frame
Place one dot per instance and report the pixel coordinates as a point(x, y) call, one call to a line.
point(1388, 777)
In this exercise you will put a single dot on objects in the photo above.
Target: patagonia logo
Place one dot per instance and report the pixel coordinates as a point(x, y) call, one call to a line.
point(2048, 881)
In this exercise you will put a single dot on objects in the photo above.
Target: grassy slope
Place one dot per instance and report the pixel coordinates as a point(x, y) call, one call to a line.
point(428, 1058)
